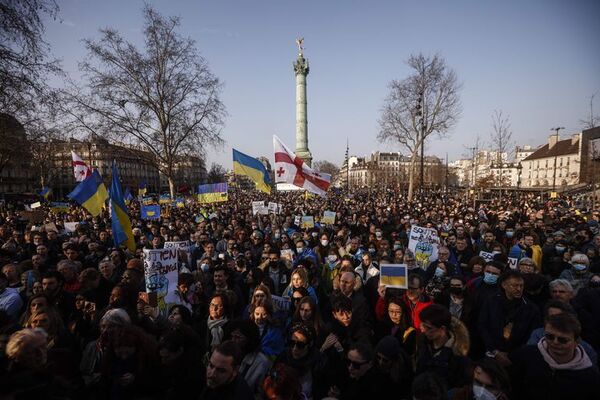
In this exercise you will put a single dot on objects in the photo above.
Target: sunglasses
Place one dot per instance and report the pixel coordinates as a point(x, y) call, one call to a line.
point(355, 364)
point(297, 344)
point(560, 339)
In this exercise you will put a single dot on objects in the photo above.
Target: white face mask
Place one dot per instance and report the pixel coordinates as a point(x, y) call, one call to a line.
point(324, 242)
point(481, 393)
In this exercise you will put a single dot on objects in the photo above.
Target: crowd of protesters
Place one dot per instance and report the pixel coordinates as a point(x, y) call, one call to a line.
point(75, 321)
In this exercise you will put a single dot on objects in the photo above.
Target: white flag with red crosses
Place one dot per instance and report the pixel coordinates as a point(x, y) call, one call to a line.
point(80, 169)
point(291, 169)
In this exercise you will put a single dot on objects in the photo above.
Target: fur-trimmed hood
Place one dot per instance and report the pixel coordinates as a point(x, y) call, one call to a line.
point(459, 341)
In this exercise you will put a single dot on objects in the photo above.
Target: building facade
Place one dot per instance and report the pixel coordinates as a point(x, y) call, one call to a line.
point(392, 169)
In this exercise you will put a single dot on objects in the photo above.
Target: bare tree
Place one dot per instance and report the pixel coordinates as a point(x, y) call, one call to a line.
point(435, 87)
point(501, 139)
point(163, 98)
point(326, 167)
point(216, 174)
point(24, 63)
point(592, 122)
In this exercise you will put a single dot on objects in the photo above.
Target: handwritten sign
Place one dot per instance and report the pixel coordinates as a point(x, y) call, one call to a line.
point(160, 271)
point(328, 217)
point(424, 242)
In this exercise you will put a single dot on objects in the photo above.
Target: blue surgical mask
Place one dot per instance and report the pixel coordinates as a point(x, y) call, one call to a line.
point(204, 267)
point(509, 234)
point(439, 272)
point(579, 267)
point(490, 279)
point(560, 249)
point(397, 247)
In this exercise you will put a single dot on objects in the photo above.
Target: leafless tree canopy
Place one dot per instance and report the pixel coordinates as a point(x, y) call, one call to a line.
point(163, 97)
point(501, 136)
point(400, 123)
point(216, 174)
point(24, 66)
point(326, 166)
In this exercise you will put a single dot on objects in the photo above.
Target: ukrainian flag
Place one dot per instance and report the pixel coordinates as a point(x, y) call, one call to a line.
point(45, 192)
point(90, 193)
point(121, 225)
point(142, 189)
point(252, 168)
point(212, 193)
point(393, 275)
point(127, 196)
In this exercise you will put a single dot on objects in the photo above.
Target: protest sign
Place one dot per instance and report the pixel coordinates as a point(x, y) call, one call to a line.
point(486, 256)
point(147, 201)
point(58, 206)
point(308, 222)
point(424, 242)
point(297, 220)
point(50, 227)
point(182, 246)
point(164, 199)
point(71, 226)
point(281, 303)
point(393, 275)
point(274, 208)
point(328, 218)
point(35, 205)
point(513, 262)
point(160, 271)
point(258, 207)
point(287, 254)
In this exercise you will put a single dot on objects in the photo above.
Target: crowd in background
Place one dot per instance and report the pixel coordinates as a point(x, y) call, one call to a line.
point(271, 310)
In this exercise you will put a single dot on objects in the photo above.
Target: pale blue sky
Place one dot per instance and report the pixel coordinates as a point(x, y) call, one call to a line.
point(538, 61)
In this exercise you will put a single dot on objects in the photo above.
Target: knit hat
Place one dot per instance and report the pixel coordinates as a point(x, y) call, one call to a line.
point(389, 347)
point(136, 263)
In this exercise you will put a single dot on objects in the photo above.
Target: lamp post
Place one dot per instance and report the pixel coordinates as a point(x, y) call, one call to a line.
point(519, 169)
point(555, 156)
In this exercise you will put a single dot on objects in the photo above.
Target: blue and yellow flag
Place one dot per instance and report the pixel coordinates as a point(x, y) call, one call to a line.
point(393, 275)
point(212, 193)
point(127, 196)
point(45, 192)
point(150, 211)
point(164, 199)
point(252, 168)
point(121, 225)
point(90, 193)
point(142, 189)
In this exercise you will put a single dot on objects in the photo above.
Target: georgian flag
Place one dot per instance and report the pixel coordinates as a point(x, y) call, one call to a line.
point(80, 169)
point(291, 169)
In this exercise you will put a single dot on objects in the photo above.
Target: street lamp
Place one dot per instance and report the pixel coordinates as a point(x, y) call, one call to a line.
point(555, 156)
point(519, 169)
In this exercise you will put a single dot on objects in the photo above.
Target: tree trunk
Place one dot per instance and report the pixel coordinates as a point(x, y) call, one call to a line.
point(411, 176)
point(171, 186)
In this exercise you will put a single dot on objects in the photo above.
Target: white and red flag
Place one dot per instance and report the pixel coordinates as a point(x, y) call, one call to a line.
point(290, 168)
point(80, 169)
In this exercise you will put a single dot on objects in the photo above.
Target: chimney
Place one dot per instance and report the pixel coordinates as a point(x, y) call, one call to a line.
point(575, 138)
point(552, 139)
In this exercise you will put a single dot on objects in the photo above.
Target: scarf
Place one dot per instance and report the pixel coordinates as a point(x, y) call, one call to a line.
point(579, 361)
point(215, 326)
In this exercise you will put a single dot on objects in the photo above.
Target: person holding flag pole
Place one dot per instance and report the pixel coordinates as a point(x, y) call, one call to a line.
point(121, 224)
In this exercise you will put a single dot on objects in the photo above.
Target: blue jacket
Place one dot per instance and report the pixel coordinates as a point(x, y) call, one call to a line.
point(271, 341)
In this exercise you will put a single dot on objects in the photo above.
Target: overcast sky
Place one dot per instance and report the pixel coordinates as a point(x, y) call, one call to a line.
point(536, 60)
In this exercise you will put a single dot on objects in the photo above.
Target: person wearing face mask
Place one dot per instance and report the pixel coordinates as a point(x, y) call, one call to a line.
point(330, 270)
point(507, 319)
point(578, 275)
point(490, 382)
point(304, 252)
point(553, 258)
point(458, 300)
point(277, 271)
point(322, 248)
